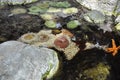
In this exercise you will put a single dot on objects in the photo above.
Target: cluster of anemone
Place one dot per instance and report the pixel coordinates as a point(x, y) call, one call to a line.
point(45, 38)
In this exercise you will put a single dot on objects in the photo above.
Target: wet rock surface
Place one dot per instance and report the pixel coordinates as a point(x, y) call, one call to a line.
point(20, 61)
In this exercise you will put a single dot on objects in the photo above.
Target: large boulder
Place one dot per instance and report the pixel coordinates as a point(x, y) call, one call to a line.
point(14, 2)
point(19, 61)
point(108, 7)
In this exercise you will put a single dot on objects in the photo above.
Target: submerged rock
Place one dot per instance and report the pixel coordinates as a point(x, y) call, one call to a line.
point(105, 6)
point(99, 72)
point(20, 61)
point(94, 17)
point(14, 2)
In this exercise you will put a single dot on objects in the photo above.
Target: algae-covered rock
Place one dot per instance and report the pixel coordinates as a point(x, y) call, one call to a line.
point(118, 27)
point(105, 6)
point(15, 2)
point(20, 61)
point(94, 17)
point(100, 72)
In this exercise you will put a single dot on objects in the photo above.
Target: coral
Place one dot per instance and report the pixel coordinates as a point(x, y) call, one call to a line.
point(28, 38)
point(73, 24)
point(18, 11)
point(50, 24)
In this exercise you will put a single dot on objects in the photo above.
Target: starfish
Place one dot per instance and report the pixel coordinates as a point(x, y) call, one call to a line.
point(114, 49)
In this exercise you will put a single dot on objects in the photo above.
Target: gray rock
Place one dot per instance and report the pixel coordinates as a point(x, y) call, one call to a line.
point(94, 17)
point(105, 6)
point(19, 61)
point(14, 2)
point(117, 19)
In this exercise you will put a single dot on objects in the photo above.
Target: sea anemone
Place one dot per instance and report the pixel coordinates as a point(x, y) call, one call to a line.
point(73, 24)
point(71, 10)
point(50, 24)
point(67, 32)
point(45, 38)
point(47, 16)
point(61, 42)
point(54, 10)
point(28, 38)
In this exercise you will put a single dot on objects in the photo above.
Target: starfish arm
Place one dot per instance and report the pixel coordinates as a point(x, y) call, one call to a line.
point(113, 43)
point(110, 49)
point(118, 47)
point(115, 52)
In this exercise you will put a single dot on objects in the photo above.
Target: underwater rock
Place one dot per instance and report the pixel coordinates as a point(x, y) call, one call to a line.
point(99, 72)
point(20, 61)
point(107, 7)
point(94, 17)
point(18, 11)
point(118, 27)
point(73, 24)
point(15, 2)
point(63, 4)
point(117, 19)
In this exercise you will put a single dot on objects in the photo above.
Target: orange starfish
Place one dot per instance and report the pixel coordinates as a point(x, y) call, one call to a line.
point(114, 49)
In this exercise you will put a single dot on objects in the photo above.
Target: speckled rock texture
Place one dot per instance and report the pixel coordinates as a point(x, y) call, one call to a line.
point(14, 2)
point(19, 61)
point(107, 7)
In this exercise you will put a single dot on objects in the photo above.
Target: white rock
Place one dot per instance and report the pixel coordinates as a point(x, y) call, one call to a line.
point(19, 61)
point(105, 6)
